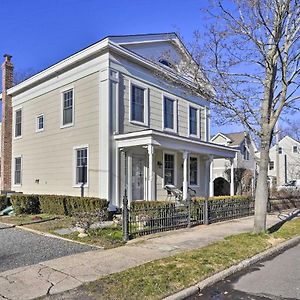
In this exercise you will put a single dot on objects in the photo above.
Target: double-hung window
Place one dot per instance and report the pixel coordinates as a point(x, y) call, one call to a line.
point(193, 170)
point(40, 123)
point(169, 169)
point(67, 107)
point(280, 150)
point(271, 165)
point(295, 149)
point(81, 166)
point(138, 109)
point(194, 121)
point(170, 114)
point(18, 170)
point(18, 123)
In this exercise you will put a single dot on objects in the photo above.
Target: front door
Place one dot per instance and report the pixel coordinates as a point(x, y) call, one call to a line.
point(138, 177)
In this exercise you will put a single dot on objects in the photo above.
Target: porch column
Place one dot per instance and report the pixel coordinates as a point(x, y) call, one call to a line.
point(185, 175)
point(231, 177)
point(151, 187)
point(211, 180)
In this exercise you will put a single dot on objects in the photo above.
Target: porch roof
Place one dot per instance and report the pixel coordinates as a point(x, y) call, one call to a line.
point(174, 142)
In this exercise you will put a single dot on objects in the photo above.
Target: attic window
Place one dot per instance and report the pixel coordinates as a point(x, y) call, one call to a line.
point(165, 63)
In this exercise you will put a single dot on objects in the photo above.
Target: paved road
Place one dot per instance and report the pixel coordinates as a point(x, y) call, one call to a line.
point(19, 248)
point(277, 278)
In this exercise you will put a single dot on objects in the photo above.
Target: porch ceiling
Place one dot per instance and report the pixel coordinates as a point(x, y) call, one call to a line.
point(174, 142)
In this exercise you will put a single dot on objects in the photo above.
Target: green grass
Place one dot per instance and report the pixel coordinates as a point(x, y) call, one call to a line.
point(162, 277)
point(107, 237)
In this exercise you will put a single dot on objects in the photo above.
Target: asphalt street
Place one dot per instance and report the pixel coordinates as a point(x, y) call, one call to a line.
point(19, 248)
point(277, 278)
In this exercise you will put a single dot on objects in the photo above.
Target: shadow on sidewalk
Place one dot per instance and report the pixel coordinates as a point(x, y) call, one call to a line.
point(284, 218)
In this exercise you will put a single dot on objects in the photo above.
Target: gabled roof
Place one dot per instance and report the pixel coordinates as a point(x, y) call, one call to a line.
point(113, 43)
point(236, 138)
point(284, 138)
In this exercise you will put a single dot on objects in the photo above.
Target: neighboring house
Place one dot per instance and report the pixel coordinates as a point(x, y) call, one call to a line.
point(288, 161)
point(108, 117)
point(244, 164)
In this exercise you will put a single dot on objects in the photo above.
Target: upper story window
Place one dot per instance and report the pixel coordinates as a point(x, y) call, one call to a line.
point(280, 150)
point(166, 63)
point(18, 170)
point(169, 114)
point(295, 149)
point(81, 165)
point(139, 105)
point(40, 123)
point(271, 165)
point(18, 123)
point(194, 121)
point(68, 107)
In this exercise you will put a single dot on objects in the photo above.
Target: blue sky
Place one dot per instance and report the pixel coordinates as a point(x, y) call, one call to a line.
point(38, 33)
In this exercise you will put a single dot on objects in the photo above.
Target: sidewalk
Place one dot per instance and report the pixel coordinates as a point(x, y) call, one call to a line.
point(58, 275)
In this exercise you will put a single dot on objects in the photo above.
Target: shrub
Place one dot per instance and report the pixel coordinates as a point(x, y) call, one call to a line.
point(70, 205)
point(53, 204)
point(144, 205)
point(4, 202)
point(225, 198)
point(25, 204)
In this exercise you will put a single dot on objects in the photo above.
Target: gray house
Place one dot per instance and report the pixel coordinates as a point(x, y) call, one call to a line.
point(244, 164)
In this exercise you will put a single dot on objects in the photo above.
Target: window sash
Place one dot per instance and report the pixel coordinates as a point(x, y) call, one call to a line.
point(169, 113)
point(193, 121)
point(169, 169)
point(81, 166)
point(18, 123)
point(40, 122)
point(193, 171)
point(18, 169)
point(137, 104)
point(295, 149)
point(68, 107)
point(271, 165)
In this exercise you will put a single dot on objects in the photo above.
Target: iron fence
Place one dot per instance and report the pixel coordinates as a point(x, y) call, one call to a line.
point(152, 217)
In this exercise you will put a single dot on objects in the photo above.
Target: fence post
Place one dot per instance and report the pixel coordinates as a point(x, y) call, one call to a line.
point(125, 217)
point(206, 217)
point(189, 211)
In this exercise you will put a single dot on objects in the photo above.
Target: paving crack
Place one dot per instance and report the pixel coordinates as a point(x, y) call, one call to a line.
point(4, 297)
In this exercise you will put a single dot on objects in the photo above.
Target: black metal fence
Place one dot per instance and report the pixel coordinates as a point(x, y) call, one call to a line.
point(153, 217)
point(142, 218)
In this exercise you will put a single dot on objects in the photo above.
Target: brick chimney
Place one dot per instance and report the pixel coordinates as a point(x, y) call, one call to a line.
point(6, 132)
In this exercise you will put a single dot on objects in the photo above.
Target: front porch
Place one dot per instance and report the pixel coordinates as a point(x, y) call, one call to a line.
point(148, 160)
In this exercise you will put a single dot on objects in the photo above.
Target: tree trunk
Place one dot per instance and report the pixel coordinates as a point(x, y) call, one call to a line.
point(262, 190)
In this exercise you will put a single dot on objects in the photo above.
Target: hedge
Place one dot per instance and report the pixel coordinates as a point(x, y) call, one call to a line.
point(226, 198)
point(25, 204)
point(56, 204)
point(140, 205)
point(4, 202)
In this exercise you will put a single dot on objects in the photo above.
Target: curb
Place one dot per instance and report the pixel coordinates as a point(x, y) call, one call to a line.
point(50, 235)
point(233, 269)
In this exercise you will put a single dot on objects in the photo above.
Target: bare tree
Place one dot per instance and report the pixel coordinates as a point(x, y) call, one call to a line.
point(254, 63)
point(292, 129)
point(250, 54)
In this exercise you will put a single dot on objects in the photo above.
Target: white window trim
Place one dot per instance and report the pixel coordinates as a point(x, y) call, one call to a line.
point(37, 123)
point(75, 185)
point(14, 170)
point(66, 89)
point(175, 113)
point(198, 121)
point(14, 124)
point(146, 103)
point(198, 171)
point(175, 167)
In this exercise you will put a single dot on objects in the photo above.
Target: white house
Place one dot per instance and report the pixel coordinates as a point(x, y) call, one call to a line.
point(244, 164)
point(107, 115)
point(287, 161)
